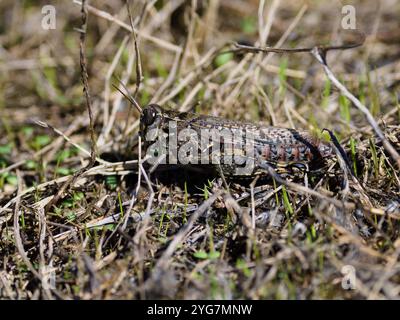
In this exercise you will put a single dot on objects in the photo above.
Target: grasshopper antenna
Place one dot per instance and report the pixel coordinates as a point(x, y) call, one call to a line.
point(128, 96)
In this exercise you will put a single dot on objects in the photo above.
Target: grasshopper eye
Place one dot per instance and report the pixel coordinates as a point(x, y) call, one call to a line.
point(149, 115)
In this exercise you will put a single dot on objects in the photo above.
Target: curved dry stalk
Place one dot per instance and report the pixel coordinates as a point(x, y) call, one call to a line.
point(85, 82)
point(320, 54)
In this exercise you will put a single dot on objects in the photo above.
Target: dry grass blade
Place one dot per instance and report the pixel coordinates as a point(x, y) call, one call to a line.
point(84, 78)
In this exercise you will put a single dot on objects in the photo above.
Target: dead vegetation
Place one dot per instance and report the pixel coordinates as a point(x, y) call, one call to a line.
point(81, 216)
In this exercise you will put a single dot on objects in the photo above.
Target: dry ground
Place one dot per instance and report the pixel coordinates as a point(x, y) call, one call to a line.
point(184, 234)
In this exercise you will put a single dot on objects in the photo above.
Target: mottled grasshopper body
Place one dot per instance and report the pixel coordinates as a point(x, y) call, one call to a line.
point(237, 148)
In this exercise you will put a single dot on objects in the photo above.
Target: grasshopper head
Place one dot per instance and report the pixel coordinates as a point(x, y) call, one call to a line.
point(151, 121)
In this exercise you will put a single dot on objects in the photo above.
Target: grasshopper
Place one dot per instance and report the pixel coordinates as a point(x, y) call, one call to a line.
point(238, 149)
